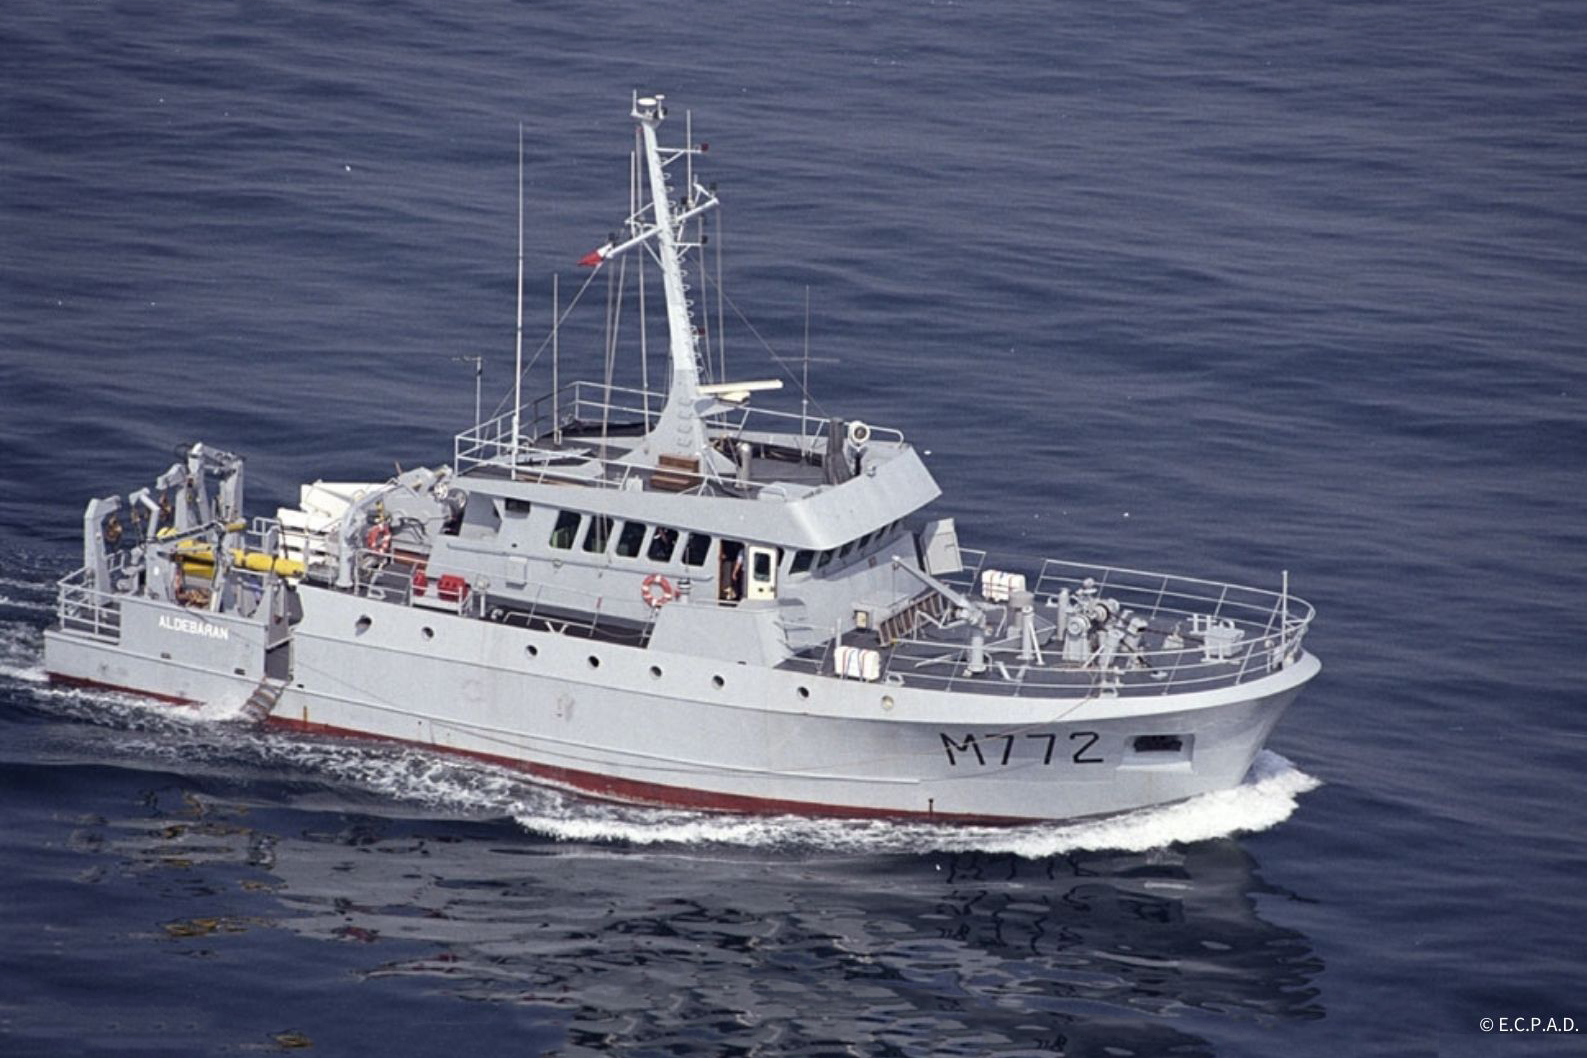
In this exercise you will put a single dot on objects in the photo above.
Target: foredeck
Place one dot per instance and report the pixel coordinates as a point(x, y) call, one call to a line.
point(1199, 635)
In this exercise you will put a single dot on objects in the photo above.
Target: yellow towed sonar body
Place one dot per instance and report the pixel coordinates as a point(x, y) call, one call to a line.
point(200, 560)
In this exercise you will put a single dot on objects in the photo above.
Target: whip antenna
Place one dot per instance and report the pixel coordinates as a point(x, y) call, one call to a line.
point(517, 376)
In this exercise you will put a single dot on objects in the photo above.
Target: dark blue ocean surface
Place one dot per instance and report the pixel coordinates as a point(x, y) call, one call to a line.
point(1224, 288)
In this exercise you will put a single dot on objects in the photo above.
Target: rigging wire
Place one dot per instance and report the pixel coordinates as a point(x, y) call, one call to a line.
point(787, 370)
point(563, 315)
point(614, 320)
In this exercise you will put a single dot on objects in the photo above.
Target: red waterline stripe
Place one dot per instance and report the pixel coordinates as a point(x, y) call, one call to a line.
point(600, 787)
point(632, 791)
point(96, 685)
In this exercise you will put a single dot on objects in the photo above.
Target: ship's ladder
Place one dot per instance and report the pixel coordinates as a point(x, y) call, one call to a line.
point(262, 702)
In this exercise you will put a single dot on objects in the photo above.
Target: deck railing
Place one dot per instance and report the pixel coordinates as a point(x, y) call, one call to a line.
point(377, 575)
point(83, 609)
point(1229, 634)
point(589, 404)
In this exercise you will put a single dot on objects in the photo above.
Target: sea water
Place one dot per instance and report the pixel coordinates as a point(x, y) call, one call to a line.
point(1224, 288)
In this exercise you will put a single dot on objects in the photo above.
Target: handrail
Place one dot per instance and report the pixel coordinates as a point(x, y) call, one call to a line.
point(1228, 634)
point(375, 575)
point(490, 443)
point(85, 610)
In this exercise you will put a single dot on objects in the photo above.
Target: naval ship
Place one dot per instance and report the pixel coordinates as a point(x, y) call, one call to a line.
point(677, 596)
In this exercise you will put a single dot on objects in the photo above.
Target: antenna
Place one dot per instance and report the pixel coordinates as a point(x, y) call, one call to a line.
point(517, 376)
point(704, 327)
point(1283, 634)
point(556, 395)
point(479, 371)
point(721, 329)
point(804, 383)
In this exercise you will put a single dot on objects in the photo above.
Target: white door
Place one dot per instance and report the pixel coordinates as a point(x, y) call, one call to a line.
point(762, 573)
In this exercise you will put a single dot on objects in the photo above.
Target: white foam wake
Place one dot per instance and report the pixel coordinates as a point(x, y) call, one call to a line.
point(1267, 797)
point(32, 605)
point(21, 653)
point(153, 731)
point(28, 587)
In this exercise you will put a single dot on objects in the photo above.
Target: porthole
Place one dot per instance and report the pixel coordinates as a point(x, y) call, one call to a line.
point(887, 702)
point(532, 650)
point(427, 632)
point(361, 625)
point(655, 672)
point(595, 662)
point(718, 682)
point(804, 692)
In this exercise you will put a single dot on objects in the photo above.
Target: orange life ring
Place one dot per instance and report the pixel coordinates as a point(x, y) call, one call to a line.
point(378, 538)
point(658, 591)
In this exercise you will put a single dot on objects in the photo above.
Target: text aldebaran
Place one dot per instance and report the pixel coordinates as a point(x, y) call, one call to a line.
point(188, 626)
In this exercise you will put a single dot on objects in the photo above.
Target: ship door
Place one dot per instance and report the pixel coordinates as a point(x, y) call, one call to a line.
point(762, 583)
point(730, 572)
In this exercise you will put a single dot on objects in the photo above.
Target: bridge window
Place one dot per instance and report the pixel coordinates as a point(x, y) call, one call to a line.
point(826, 559)
point(599, 533)
point(566, 529)
point(630, 538)
point(698, 547)
point(801, 561)
point(663, 542)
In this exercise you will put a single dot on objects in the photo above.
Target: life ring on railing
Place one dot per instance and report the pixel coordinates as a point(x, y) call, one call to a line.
point(658, 591)
point(378, 538)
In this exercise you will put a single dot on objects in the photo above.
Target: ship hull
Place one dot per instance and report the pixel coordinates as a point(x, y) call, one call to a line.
point(645, 726)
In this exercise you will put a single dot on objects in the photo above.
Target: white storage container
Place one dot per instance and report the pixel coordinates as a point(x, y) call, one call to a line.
point(996, 585)
point(857, 663)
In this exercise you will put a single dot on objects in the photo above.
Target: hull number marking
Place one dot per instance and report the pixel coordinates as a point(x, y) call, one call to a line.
point(998, 750)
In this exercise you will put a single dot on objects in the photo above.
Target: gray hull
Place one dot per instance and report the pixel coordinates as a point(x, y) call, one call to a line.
point(647, 726)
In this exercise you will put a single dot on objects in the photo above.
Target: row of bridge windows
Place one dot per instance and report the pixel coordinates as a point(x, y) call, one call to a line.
point(598, 532)
point(595, 533)
point(804, 561)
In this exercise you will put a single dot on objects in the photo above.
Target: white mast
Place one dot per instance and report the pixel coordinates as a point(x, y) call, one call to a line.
point(685, 359)
point(644, 320)
point(680, 430)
